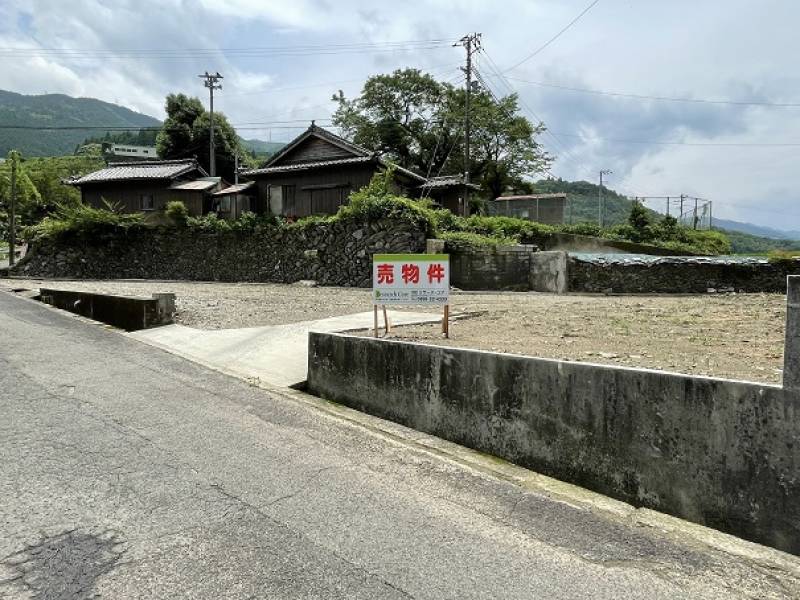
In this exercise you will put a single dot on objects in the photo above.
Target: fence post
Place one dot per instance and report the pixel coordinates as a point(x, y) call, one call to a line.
point(791, 349)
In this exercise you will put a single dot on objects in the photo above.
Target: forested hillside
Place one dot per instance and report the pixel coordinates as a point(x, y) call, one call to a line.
point(58, 110)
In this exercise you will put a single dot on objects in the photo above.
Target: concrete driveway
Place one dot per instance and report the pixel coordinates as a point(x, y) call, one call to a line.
point(276, 354)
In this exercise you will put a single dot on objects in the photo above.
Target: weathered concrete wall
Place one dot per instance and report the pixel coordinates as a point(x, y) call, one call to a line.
point(501, 268)
point(548, 272)
point(678, 275)
point(332, 254)
point(718, 452)
point(126, 312)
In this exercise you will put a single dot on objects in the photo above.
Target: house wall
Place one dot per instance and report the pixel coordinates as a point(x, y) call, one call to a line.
point(317, 191)
point(550, 210)
point(128, 195)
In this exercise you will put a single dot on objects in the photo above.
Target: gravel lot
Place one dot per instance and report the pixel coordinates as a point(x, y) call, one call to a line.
point(737, 335)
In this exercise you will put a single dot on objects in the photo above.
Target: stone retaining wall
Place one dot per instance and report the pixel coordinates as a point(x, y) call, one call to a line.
point(331, 254)
point(677, 275)
point(717, 452)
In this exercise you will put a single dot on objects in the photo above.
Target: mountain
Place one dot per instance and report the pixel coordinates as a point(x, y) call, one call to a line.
point(757, 230)
point(262, 148)
point(59, 110)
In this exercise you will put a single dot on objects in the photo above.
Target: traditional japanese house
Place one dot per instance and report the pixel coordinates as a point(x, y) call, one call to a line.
point(315, 173)
point(148, 186)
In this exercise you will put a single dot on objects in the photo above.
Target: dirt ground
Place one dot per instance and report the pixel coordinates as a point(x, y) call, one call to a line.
point(732, 335)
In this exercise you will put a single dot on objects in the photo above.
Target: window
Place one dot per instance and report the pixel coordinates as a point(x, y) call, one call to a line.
point(147, 202)
point(225, 204)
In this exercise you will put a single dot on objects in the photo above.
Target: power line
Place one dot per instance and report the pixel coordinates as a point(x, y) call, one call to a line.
point(306, 50)
point(662, 98)
point(554, 38)
point(700, 144)
point(559, 144)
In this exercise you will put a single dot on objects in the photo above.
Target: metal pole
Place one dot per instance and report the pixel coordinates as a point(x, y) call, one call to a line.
point(12, 227)
point(694, 220)
point(680, 214)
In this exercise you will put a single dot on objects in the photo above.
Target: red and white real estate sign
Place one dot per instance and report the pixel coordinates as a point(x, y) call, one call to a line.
point(410, 279)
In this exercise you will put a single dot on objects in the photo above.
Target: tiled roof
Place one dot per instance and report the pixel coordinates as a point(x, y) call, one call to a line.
point(127, 171)
point(447, 181)
point(197, 185)
point(311, 165)
point(235, 189)
point(531, 197)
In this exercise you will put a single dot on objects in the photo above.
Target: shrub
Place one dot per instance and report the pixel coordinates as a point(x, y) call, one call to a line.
point(463, 240)
point(783, 256)
point(177, 212)
point(591, 229)
point(82, 220)
point(208, 223)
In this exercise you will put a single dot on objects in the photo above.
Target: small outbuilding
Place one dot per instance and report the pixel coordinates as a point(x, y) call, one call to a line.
point(550, 209)
point(449, 192)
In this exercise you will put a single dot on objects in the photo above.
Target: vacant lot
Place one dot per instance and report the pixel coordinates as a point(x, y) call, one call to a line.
point(738, 336)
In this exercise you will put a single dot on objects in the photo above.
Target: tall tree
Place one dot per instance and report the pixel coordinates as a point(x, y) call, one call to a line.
point(28, 205)
point(186, 132)
point(418, 122)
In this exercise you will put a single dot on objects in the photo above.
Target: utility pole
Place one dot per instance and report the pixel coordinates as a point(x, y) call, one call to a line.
point(694, 221)
point(667, 205)
point(680, 214)
point(235, 168)
point(600, 197)
point(12, 227)
point(472, 43)
point(211, 82)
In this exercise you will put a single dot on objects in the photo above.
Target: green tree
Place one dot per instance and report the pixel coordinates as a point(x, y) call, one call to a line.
point(639, 218)
point(417, 122)
point(186, 132)
point(28, 205)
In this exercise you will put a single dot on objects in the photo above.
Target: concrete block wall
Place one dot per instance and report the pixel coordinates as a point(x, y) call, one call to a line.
point(501, 268)
point(717, 452)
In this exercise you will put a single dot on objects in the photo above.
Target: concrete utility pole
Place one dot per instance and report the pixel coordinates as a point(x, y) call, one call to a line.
point(680, 214)
point(211, 83)
point(12, 226)
point(600, 197)
point(236, 168)
point(472, 43)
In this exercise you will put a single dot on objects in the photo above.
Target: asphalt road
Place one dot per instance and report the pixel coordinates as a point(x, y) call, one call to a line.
point(127, 472)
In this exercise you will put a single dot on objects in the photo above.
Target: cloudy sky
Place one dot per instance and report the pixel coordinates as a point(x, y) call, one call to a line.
point(282, 60)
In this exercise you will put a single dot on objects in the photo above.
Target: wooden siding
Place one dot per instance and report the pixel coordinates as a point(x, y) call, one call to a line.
point(316, 191)
point(312, 150)
point(127, 195)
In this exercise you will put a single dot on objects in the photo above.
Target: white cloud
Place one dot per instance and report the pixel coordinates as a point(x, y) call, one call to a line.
point(681, 48)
